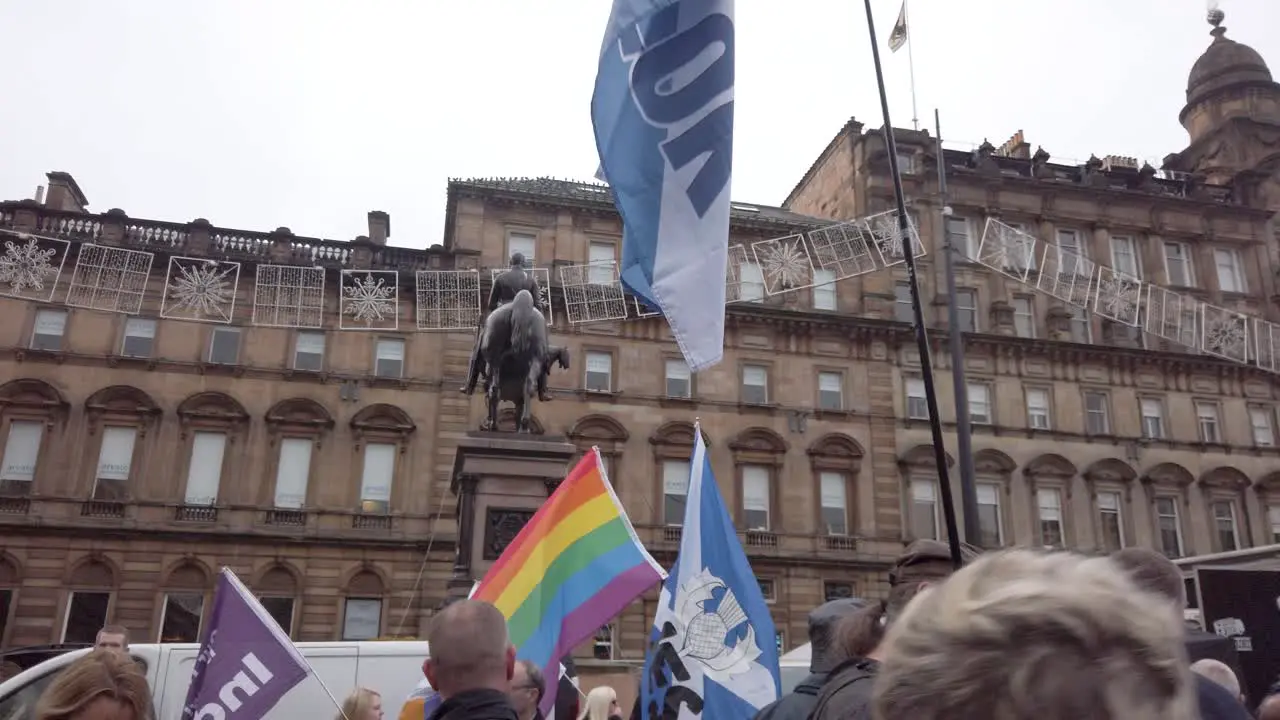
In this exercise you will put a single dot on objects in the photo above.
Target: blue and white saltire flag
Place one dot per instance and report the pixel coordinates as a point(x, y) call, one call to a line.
point(663, 116)
point(713, 652)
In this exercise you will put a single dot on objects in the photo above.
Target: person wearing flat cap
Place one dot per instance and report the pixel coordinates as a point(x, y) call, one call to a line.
point(797, 704)
point(846, 694)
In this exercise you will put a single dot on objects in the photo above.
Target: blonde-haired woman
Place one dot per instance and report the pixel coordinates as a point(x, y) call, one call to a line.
point(362, 704)
point(102, 685)
point(601, 704)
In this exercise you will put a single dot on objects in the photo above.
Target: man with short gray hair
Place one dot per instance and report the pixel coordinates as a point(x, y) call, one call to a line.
point(527, 688)
point(472, 662)
point(1220, 673)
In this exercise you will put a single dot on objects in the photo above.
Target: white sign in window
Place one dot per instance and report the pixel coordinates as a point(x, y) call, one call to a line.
point(308, 351)
point(139, 337)
point(49, 328)
point(292, 474)
point(824, 289)
point(115, 458)
point(675, 490)
point(389, 358)
point(522, 243)
point(375, 483)
point(21, 451)
point(755, 497)
point(599, 372)
point(600, 257)
point(205, 474)
point(362, 619)
point(835, 504)
point(679, 379)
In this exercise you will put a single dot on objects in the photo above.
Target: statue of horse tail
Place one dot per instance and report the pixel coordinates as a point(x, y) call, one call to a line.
point(522, 323)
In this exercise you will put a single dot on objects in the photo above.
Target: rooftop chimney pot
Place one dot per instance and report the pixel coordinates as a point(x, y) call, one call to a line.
point(379, 227)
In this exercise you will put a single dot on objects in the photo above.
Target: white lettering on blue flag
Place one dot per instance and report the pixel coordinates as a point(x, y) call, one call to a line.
point(663, 116)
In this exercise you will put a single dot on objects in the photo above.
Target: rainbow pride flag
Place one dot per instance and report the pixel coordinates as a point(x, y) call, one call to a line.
point(574, 567)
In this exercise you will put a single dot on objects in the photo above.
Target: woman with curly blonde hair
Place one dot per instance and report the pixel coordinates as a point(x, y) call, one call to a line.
point(102, 685)
point(362, 704)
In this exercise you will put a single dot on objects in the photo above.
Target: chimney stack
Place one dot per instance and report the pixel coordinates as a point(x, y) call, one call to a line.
point(379, 227)
point(39, 198)
point(1016, 147)
point(64, 193)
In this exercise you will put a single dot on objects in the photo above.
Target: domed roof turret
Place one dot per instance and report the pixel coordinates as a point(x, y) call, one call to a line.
point(1226, 63)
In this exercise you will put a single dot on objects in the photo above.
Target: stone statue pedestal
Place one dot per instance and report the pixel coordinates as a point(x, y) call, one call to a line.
point(500, 480)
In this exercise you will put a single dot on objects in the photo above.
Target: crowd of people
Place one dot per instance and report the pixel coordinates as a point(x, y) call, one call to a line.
point(1014, 635)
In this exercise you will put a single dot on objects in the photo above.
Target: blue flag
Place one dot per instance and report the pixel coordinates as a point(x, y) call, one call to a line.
point(713, 651)
point(663, 117)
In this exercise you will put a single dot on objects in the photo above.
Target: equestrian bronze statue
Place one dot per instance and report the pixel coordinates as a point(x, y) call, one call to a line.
point(512, 354)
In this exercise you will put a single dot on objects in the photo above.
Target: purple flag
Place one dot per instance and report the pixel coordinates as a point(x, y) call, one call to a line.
point(246, 662)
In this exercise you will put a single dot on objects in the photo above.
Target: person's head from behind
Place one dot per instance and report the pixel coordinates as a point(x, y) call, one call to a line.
point(112, 637)
point(824, 622)
point(923, 563)
point(859, 634)
point(1270, 708)
point(362, 704)
point(103, 685)
point(1154, 573)
point(601, 704)
point(1023, 635)
point(1220, 674)
point(469, 649)
point(527, 688)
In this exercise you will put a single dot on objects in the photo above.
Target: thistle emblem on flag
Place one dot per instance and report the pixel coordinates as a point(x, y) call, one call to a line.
point(711, 626)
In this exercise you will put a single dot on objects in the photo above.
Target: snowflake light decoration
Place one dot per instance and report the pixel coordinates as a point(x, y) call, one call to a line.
point(889, 240)
point(1226, 333)
point(26, 266)
point(201, 290)
point(369, 300)
point(1118, 296)
point(785, 264)
point(1007, 250)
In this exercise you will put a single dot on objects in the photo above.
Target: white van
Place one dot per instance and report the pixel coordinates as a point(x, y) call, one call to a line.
point(392, 668)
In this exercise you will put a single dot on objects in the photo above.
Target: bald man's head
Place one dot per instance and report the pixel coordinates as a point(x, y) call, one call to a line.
point(1270, 708)
point(469, 649)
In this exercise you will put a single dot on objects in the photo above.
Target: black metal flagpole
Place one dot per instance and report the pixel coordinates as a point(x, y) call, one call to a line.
point(922, 335)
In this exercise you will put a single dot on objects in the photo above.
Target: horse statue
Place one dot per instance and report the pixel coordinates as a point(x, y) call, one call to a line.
point(517, 358)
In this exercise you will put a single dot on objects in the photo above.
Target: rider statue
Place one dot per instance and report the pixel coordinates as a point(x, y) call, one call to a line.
point(505, 287)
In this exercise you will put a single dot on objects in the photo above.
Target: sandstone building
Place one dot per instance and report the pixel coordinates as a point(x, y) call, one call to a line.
point(309, 448)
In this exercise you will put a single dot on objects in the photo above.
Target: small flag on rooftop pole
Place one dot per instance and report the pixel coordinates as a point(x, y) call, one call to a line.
point(898, 35)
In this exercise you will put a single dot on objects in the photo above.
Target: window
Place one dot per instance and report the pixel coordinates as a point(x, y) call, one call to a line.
point(967, 305)
point(1110, 523)
point(1049, 502)
point(1169, 526)
point(600, 257)
point(1207, 420)
point(1230, 270)
point(768, 590)
point(362, 619)
point(675, 490)
point(755, 497)
point(824, 289)
point(524, 243)
point(115, 462)
point(830, 391)
point(1038, 408)
point(293, 473)
point(679, 379)
point(205, 473)
point(836, 590)
point(308, 351)
point(835, 503)
point(1264, 433)
point(86, 614)
point(48, 330)
point(1178, 267)
point(1069, 245)
point(1224, 524)
point(1097, 418)
point(180, 622)
point(902, 311)
point(599, 372)
point(224, 345)
point(961, 239)
point(924, 509)
point(755, 384)
point(917, 405)
point(906, 163)
point(1273, 519)
point(751, 282)
point(1024, 317)
point(1152, 418)
point(21, 454)
point(388, 358)
point(979, 404)
point(139, 337)
point(1124, 257)
point(1081, 325)
point(281, 610)
point(375, 482)
point(990, 532)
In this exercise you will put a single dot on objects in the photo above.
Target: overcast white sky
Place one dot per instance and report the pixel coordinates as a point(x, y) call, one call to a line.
point(261, 113)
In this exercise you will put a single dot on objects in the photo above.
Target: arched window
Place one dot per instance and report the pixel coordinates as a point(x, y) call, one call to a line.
point(278, 592)
point(1223, 489)
point(91, 585)
point(605, 433)
point(1166, 487)
point(1050, 479)
point(185, 589)
point(212, 423)
point(9, 582)
point(835, 460)
point(382, 436)
point(30, 411)
point(992, 470)
point(672, 447)
point(921, 505)
point(362, 613)
point(1110, 483)
point(120, 417)
point(758, 457)
point(297, 427)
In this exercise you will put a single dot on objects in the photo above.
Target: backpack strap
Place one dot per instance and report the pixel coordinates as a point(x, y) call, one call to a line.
point(843, 676)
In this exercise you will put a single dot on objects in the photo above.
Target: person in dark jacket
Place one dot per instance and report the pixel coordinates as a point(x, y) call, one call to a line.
point(472, 662)
point(1157, 574)
point(823, 620)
